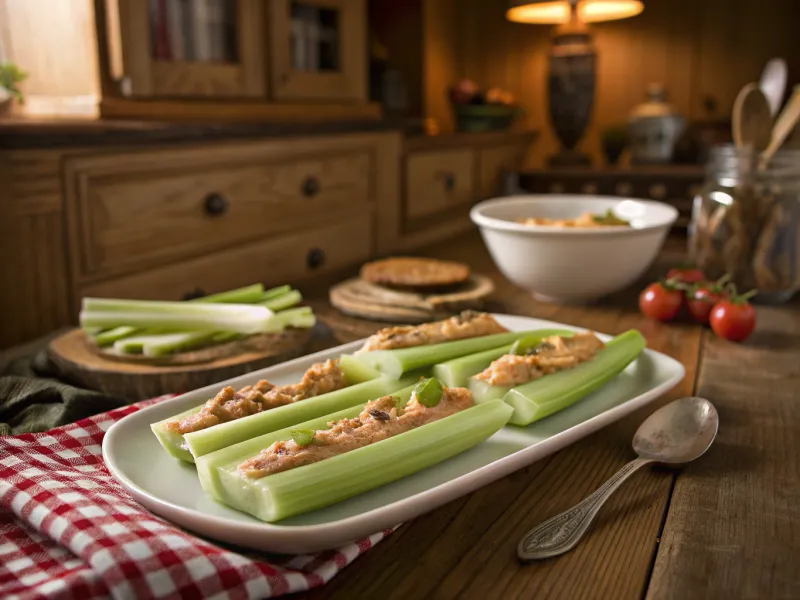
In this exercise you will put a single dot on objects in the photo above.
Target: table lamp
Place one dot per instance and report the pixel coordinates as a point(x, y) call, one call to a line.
point(572, 63)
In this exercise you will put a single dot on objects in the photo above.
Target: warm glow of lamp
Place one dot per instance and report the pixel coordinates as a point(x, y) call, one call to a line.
point(558, 11)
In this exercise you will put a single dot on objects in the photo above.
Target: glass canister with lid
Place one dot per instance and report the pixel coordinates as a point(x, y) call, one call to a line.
point(745, 222)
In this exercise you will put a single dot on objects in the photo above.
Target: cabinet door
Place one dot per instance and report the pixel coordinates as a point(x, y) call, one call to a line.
point(189, 48)
point(318, 49)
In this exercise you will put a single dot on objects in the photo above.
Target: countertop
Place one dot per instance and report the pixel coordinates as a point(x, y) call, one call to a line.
point(726, 526)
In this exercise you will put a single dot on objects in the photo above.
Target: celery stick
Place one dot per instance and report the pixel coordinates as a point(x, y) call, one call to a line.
point(269, 420)
point(301, 318)
point(225, 336)
point(542, 397)
point(103, 305)
point(208, 464)
point(239, 318)
point(172, 441)
point(131, 345)
point(456, 372)
point(356, 371)
point(170, 343)
point(109, 336)
point(274, 292)
point(320, 484)
point(394, 363)
point(283, 301)
point(245, 295)
point(226, 434)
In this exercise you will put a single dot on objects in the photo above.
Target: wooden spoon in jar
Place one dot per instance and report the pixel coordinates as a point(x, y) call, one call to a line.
point(784, 125)
point(752, 119)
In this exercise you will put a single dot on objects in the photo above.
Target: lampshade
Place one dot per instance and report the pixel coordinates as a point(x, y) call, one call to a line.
point(557, 11)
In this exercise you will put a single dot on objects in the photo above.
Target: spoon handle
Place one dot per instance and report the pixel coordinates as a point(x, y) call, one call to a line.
point(562, 532)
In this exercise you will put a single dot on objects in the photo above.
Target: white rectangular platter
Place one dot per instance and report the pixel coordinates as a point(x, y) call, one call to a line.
point(171, 488)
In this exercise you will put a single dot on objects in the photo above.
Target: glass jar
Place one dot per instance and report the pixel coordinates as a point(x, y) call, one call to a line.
point(745, 222)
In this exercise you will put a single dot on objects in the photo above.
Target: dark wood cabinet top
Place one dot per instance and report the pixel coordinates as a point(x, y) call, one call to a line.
point(29, 133)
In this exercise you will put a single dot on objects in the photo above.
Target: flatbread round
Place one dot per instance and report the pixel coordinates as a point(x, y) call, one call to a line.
point(410, 272)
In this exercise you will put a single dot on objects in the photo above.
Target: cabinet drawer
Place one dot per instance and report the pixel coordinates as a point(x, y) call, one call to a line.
point(436, 181)
point(285, 259)
point(141, 215)
point(493, 163)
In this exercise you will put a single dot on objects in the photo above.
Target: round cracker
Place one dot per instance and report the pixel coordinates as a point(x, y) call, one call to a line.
point(411, 272)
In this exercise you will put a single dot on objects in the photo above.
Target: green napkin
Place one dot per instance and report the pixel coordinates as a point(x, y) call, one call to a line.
point(33, 399)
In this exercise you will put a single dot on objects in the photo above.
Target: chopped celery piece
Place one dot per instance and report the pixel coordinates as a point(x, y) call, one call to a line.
point(283, 301)
point(429, 391)
point(542, 397)
point(302, 437)
point(320, 484)
point(356, 371)
point(239, 318)
point(207, 465)
point(393, 363)
point(527, 344)
point(456, 372)
point(226, 434)
point(109, 336)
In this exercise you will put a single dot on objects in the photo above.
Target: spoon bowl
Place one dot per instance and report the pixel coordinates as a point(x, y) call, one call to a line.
point(752, 119)
point(678, 432)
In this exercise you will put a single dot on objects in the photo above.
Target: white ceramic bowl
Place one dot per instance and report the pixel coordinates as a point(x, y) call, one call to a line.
point(572, 264)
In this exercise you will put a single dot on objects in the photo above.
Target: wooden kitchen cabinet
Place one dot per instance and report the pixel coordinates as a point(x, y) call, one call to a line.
point(438, 180)
point(234, 60)
point(183, 49)
point(129, 211)
point(317, 49)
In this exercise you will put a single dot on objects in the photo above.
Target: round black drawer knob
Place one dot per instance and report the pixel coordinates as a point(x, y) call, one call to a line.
point(315, 258)
point(215, 205)
point(195, 293)
point(310, 187)
point(449, 182)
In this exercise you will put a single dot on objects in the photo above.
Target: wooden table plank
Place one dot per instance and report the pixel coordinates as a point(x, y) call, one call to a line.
point(733, 529)
point(466, 549)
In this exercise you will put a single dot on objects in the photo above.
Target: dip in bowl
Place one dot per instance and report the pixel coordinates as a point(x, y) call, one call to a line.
point(559, 263)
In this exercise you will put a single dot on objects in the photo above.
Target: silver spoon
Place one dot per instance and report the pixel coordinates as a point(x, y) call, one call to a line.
point(676, 433)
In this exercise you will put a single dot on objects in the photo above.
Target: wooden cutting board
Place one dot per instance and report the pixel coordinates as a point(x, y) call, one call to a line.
point(82, 363)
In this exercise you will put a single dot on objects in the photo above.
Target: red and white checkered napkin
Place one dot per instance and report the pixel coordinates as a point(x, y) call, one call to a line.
point(69, 530)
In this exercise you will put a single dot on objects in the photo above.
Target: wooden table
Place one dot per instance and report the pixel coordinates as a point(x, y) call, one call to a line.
point(727, 526)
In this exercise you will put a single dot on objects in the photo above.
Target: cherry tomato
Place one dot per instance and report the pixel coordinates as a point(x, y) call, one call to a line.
point(701, 301)
point(686, 274)
point(660, 302)
point(733, 319)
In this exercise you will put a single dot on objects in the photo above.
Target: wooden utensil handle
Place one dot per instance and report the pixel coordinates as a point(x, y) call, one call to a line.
point(783, 127)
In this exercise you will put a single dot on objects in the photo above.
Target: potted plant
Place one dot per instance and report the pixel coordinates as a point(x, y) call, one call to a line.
point(614, 140)
point(10, 76)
